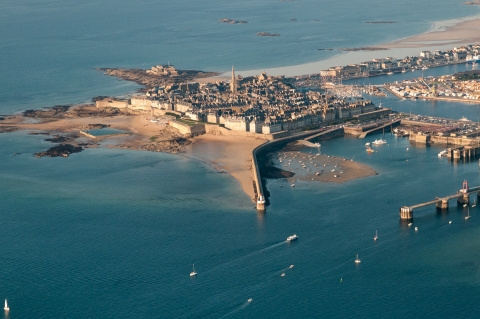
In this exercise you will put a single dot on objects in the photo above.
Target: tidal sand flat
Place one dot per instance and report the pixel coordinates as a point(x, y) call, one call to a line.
point(322, 168)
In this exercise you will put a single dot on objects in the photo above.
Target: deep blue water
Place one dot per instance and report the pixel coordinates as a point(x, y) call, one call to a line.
point(113, 233)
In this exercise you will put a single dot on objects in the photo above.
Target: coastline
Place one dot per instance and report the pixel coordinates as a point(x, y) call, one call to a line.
point(443, 34)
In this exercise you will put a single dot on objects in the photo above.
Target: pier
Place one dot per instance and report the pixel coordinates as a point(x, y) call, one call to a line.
point(462, 196)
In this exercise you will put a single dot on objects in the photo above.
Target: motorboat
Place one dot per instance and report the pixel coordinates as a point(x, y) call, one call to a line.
point(292, 238)
point(443, 153)
point(357, 260)
point(250, 300)
point(193, 273)
point(291, 266)
point(379, 142)
point(449, 222)
point(410, 224)
point(282, 275)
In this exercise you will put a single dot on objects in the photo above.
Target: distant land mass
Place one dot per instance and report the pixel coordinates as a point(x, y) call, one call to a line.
point(267, 34)
point(362, 49)
point(472, 3)
point(375, 22)
point(231, 21)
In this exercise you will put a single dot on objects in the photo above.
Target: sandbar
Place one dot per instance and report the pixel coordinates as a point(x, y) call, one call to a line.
point(322, 168)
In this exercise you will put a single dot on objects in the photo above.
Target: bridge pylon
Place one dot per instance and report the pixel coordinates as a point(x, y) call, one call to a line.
point(443, 205)
point(406, 212)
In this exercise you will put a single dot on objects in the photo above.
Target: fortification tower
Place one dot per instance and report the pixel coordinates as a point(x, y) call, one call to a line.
point(233, 83)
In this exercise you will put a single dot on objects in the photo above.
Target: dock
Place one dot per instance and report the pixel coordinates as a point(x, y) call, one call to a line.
point(462, 196)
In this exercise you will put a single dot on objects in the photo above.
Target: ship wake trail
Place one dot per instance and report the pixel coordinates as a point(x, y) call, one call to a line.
point(237, 309)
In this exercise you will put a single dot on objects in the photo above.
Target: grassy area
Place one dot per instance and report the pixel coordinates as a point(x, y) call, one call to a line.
point(173, 114)
point(153, 138)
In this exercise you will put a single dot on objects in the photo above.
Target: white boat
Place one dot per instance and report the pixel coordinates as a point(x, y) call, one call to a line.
point(379, 142)
point(449, 222)
point(416, 228)
point(464, 119)
point(425, 68)
point(291, 266)
point(404, 71)
point(468, 215)
point(389, 73)
point(193, 273)
point(357, 261)
point(292, 238)
point(376, 236)
point(293, 185)
point(443, 153)
point(410, 224)
point(474, 202)
point(250, 300)
point(6, 308)
point(465, 205)
point(282, 275)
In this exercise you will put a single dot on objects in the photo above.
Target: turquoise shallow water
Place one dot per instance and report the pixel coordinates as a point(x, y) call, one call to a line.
point(113, 234)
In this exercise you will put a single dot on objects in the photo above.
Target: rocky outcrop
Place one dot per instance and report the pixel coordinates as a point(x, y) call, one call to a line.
point(60, 150)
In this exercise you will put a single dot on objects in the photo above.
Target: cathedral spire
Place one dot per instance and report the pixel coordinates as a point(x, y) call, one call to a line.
point(233, 82)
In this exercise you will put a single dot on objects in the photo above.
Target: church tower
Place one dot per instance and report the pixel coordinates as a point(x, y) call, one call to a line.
point(233, 83)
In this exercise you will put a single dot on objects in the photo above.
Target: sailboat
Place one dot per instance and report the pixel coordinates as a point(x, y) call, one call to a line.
point(468, 214)
point(6, 308)
point(193, 273)
point(474, 202)
point(357, 261)
point(376, 236)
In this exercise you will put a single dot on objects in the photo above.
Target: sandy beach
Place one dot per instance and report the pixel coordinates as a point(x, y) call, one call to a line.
point(229, 154)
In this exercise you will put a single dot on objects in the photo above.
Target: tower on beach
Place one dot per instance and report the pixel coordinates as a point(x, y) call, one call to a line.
point(233, 83)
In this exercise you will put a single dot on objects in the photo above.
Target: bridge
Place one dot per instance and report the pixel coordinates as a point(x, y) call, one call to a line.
point(381, 128)
point(462, 196)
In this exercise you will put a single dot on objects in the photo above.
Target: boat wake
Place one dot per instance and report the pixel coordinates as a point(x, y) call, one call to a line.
point(237, 309)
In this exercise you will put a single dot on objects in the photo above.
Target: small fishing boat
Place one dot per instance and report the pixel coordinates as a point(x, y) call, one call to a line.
point(282, 275)
point(291, 266)
point(292, 238)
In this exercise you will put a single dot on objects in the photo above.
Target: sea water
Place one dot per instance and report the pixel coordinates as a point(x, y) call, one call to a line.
point(112, 233)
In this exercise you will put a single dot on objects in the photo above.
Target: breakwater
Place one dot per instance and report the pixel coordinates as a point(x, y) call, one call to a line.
point(270, 146)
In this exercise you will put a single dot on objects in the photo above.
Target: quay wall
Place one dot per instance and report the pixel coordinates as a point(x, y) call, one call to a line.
point(269, 145)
